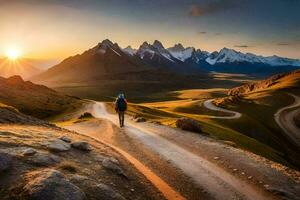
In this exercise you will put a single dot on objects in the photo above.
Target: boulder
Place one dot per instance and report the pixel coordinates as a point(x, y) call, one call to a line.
point(104, 192)
point(81, 145)
point(95, 190)
point(49, 184)
point(5, 161)
point(66, 139)
point(113, 165)
point(43, 159)
point(140, 119)
point(58, 146)
point(188, 125)
point(29, 152)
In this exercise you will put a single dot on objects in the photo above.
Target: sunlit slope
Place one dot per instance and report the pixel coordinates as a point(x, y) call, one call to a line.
point(32, 99)
point(259, 102)
point(284, 81)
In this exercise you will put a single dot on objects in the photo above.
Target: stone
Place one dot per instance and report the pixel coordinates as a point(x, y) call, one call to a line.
point(29, 152)
point(5, 161)
point(140, 119)
point(78, 178)
point(104, 192)
point(66, 139)
point(113, 166)
point(216, 158)
point(58, 146)
point(50, 184)
point(230, 143)
point(188, 125)
point(81, 145)
point(44, 159)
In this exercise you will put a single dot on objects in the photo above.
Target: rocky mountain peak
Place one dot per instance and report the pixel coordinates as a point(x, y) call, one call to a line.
point(177, 47)
point(157, 44)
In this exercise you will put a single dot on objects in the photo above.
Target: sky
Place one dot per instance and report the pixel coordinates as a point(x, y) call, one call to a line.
point(56, 29)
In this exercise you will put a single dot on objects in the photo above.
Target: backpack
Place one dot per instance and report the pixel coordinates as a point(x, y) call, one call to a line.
point(121, 104)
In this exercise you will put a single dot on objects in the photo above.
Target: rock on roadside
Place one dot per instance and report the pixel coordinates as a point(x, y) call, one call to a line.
point(81, 145)
point(43, 159)
point(113, 166)
point(5, 161)
point(140, 119)
point(188, 125)
point(29, 152)
point(58, 146)
point(49, 184)
point(96, 190)
point(66, 139)
point(106, 193)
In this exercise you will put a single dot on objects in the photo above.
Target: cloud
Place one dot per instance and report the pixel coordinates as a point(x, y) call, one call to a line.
point(211, 7)
point(242, 46)
point(202, 32)
point(218, 34)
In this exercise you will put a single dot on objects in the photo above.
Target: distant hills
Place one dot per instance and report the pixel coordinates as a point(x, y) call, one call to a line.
point(35, 100)
point(285, 81)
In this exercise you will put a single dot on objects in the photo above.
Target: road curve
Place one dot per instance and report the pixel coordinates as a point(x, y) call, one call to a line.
point(209, 105)
point(284, 117)
point(219, 183)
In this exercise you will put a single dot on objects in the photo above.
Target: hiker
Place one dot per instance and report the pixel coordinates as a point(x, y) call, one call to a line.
point(121, 107)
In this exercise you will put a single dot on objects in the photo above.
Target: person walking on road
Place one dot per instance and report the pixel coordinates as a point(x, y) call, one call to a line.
point(121, 107)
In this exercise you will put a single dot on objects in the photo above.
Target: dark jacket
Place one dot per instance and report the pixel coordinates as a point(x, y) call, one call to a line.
point(121, 105)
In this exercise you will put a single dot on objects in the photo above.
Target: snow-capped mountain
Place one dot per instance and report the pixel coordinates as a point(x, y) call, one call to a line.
point(155, 51)
point(130, 51)
point(181, 53)
point(227, 56)
point(189, 59)
point(107, 45)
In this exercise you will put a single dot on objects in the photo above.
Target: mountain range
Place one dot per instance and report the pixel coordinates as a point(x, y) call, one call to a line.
point(108, 59)
point(226, 60)
point(107, 68)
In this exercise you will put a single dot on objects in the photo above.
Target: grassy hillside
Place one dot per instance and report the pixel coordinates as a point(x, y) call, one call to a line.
point(35, 100)
point(259, 102)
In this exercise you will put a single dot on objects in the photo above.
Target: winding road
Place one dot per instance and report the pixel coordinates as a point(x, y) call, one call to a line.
point(184, 165)
point(219, 183)
point(209, 105)
point(284, 117)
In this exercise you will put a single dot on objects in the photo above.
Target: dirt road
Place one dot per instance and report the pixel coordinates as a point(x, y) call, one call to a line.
point(208, 104)
point(195, 166)
point(284, 117)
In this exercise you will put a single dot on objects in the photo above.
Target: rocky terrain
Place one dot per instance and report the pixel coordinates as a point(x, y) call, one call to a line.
point(41, 161)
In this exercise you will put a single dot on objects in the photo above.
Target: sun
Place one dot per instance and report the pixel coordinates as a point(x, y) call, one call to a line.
point(13, 53)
